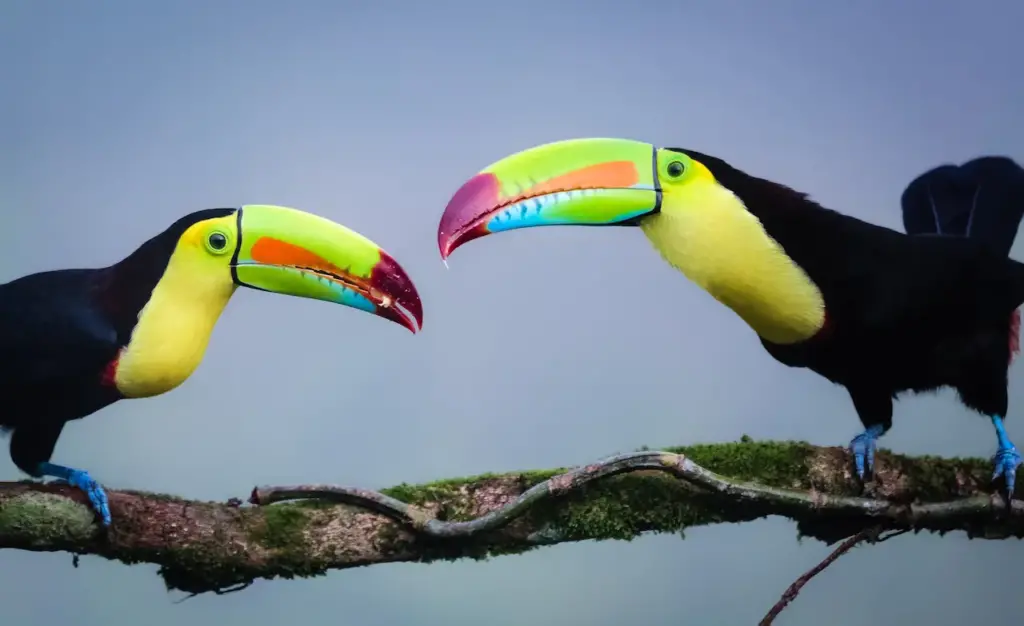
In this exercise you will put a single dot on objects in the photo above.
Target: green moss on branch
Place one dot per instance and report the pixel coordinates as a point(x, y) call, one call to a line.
point(204, 546)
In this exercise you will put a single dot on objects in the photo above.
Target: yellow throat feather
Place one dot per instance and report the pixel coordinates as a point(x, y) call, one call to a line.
point(706, 232)
point(174, 327)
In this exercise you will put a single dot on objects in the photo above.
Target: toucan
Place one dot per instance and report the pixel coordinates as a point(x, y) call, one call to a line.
point(73, 341)
point(877, 311)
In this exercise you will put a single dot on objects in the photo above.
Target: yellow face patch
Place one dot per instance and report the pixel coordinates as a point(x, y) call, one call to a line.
point(174, 327)
point(676, 169)
point(216, 238)
point(706, 232)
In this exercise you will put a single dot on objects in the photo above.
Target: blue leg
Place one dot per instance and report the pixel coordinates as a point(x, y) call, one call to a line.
point(863, 448)
point(82, 480)
point(1006, 459)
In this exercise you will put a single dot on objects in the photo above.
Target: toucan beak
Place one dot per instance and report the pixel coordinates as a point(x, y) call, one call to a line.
point(591, 182)
point(295, 253)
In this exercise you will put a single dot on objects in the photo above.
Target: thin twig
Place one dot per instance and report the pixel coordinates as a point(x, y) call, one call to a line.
point(799, 583)
point(893, 535)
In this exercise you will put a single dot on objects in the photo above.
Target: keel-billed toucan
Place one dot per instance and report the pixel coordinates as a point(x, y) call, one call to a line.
point(875, 310)
point(76, 340)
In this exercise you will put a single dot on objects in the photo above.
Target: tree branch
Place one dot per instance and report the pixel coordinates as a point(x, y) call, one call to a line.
point(310, 529)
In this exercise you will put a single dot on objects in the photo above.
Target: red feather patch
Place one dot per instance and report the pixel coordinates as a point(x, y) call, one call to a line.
point(109, 376)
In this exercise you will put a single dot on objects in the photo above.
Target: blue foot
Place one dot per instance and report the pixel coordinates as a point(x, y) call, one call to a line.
point(1006, 460)
point(82, 480)
point(863, 448)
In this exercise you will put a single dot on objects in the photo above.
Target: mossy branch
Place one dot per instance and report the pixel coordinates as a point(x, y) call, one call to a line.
point(208, 546)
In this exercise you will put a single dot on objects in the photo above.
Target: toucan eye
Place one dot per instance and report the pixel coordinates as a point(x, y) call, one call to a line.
point(218, 241)
point(675, 169)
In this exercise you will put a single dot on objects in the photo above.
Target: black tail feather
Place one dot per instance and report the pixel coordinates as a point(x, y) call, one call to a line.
point(982, 199)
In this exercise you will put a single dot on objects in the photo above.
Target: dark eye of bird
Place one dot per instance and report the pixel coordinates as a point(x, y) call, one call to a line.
point(218, 241)
point(675, 169)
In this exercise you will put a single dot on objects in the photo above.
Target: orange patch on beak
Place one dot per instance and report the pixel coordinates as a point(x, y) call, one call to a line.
point(614, 174)
point(270, 251)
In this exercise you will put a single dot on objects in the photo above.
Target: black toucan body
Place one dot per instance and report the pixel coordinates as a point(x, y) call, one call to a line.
point(875, 310)
point(76, 340)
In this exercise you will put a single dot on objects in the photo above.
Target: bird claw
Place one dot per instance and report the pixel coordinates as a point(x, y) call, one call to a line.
point(863, 448)
point(97, 496)
point(1006, 461)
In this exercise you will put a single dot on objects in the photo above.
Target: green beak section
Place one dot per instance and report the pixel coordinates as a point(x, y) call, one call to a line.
point(593, 182)
point(295, 253)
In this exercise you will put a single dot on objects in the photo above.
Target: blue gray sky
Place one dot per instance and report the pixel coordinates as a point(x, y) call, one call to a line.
point(117, 117)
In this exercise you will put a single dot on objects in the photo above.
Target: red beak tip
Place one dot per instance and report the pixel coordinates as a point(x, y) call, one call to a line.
point(444, 243)
point(473, 200)
point(392, 279)
point(407, 320)
point(418, 317)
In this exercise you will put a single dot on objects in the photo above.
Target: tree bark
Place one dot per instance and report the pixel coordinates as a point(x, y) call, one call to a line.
point(208, 546)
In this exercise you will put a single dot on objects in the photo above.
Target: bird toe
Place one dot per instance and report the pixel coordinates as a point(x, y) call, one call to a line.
point(863, 448)
point(97, 496)
point(1006, 462)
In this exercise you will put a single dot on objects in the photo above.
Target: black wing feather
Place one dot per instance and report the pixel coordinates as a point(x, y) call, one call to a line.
point(983, 199)
point(53, 337)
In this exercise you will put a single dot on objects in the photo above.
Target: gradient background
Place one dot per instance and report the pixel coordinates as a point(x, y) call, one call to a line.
point(117, 117)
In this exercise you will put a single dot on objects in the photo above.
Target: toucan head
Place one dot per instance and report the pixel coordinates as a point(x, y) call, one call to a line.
point(702, 215)
point(586, 182)
point(292, 252)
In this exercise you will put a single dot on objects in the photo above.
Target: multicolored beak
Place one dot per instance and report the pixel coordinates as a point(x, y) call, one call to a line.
point(586, 182)
point(295, 253)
